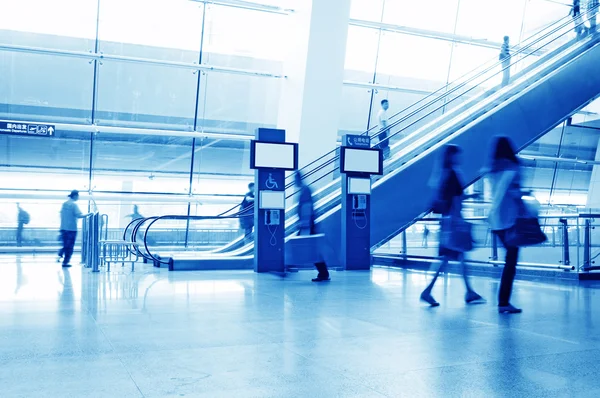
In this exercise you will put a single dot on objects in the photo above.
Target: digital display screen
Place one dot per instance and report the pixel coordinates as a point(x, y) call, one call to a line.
point(272, 155)
point(359, 186)
point(368, 161)
point(272, 200)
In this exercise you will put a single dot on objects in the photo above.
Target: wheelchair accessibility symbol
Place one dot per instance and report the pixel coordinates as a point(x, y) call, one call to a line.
point(271, 183)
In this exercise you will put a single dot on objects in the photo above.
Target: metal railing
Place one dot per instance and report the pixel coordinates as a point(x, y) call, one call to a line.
point(573, 244)
point(90, 249)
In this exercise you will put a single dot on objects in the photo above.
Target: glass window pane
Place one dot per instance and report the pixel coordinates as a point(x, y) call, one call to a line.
point(237, 104)
point(239, 38)
point(125, 163)
point(139, 95)
point(48, 24)
point(418, 61)
point(541, 13)
point(354, 115)
point(45, 88)
point(466, 58)
point(435, 15)
point(366, 10)
point(222, 167)
point(361, 53)
point(490, 19)
point(57, 163)
point(157, 29)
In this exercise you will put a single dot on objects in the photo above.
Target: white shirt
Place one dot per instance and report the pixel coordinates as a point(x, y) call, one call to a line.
point(383, 118)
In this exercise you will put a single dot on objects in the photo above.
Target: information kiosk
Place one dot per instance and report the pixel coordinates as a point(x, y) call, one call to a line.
point(358, 162)
point(270, 157)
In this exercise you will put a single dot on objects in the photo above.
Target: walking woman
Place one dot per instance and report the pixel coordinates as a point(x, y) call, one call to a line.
point(505, 180)
point(449, 201)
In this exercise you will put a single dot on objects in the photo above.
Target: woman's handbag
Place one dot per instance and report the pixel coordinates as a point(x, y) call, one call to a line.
point(527, 230)
point(457, 234)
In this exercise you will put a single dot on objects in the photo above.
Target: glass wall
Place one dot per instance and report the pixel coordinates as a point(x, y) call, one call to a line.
point(154, 103)
point(401, 46)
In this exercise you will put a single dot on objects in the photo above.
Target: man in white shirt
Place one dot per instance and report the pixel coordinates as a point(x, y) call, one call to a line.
point(382, 117)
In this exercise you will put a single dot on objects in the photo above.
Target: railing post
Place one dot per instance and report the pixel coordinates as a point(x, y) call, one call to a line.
point(404, 246)
point(84, 239)
point(494, 256)
point(587, 248)
point(94, 235)
point(566, 258)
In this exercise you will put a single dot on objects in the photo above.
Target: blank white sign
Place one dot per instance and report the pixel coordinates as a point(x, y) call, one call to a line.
point(361, 161)
point(359, 186)
point(272, 199)
point(272, 155)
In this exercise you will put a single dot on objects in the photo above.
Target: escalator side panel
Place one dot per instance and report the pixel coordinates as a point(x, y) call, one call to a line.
point(405, 195)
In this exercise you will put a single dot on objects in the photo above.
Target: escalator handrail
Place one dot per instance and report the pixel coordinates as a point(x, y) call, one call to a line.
point(495, 64)
point(172, 217)
point(318, 168)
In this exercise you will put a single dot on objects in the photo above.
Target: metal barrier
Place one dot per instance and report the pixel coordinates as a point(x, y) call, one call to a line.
point(90, 257)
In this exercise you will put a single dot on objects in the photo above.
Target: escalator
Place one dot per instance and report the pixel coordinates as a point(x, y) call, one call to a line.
point(469, 113)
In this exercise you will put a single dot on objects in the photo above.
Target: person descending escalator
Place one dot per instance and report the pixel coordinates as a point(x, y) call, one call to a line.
point(575, 13)
point(505, 58)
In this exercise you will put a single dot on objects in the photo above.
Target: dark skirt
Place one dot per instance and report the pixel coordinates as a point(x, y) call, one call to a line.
point(452, 255)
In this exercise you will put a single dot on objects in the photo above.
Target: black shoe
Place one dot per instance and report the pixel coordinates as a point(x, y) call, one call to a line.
point(473, 298)
point(319, 279)
point(428, 298)
point(509, 309)
point(66, 265)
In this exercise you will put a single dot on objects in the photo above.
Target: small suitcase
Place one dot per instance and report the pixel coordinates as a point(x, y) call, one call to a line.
point(304, 250)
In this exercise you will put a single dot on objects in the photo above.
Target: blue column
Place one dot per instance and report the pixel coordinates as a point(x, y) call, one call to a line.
point(356, 215)
point(268, 236)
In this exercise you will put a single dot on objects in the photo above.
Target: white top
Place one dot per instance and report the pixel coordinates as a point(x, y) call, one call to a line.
point(69, 214)
point(382, 116)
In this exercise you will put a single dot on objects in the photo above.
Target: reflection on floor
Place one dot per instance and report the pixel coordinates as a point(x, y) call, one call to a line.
point(70, 333)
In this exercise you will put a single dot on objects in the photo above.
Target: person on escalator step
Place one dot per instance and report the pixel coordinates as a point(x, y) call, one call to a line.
point(577, 20)
point(383, 141)
point(247, 213)
point(505, 58)
point(592, 12)
point(448, 202)
point(306, 214)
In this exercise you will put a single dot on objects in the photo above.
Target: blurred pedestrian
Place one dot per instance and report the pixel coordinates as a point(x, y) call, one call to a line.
point(577, 20)
point(453, 242)
point(22, 220)
point(505, 57)
point(592, 13)
point(505, 180)
point(247, 213)
point(306, 214)
point(69, 216)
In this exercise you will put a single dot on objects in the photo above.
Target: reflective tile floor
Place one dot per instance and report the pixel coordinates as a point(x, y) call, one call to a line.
point(70, 333)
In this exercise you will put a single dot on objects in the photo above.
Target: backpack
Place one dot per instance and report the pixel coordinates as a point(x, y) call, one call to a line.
point(24, 217)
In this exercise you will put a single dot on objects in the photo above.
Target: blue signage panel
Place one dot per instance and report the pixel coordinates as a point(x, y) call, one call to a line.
point(359, 141)
point(26, 128)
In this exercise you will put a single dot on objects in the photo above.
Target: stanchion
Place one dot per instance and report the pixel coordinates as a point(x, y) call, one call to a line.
point(94, 242)
point(566, 258)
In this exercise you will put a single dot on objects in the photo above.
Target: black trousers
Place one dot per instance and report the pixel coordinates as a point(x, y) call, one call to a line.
point(321, 266)
point(68, 240)
point(509, 271)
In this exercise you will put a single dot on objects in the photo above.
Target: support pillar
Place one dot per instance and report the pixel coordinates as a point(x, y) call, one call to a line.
point(310, 103)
